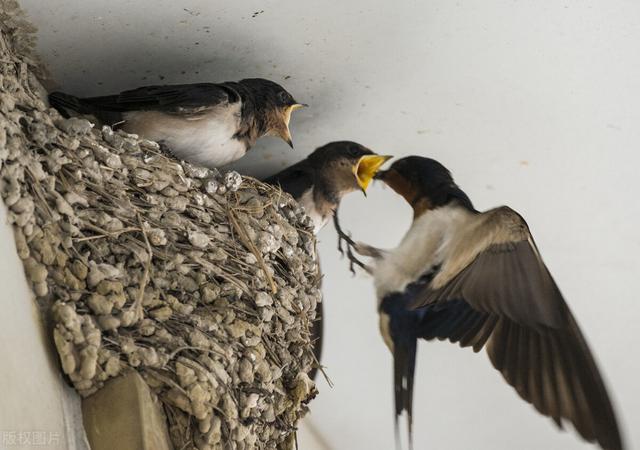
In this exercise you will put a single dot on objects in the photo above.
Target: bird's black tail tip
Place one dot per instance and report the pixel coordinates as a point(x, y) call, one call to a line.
point(65, 102)
point(404, 359)
point(408, 436)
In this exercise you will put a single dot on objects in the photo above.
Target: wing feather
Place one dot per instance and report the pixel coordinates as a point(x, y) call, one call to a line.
point(473, 330)
point(498, 292)
point(184, 98)
point(295, 179)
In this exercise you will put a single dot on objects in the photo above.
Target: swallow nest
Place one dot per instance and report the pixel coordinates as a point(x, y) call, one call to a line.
point(204, 283)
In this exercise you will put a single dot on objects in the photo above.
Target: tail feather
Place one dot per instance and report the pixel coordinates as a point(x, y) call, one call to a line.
point(404, 329)
point(404, 363)
point(65, 102)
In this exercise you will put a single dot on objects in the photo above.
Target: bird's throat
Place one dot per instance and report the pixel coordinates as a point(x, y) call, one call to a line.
point(420, 205)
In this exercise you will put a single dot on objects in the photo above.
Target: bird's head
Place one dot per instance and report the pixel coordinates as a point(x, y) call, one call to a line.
point(274, 105)
point(423, 182)
point(346, 166)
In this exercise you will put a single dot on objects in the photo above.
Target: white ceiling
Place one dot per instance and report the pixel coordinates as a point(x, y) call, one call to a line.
point(533, 104)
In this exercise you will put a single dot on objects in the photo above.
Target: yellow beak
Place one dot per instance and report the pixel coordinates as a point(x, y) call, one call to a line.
point(284, 132)
point(366, 168)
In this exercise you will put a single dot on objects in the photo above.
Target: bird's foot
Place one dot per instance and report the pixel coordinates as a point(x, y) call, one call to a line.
point(346, 246)
point(363, 249)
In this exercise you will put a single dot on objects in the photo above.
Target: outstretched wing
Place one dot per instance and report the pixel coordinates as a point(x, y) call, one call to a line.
point(494, 289)
point(183, 98)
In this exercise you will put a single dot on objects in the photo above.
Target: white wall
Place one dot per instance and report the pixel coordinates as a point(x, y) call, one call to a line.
point(531, 103)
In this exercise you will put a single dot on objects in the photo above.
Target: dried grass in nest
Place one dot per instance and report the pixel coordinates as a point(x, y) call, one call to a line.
point(204, 283)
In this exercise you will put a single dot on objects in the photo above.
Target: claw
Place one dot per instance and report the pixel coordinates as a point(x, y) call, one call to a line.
point(344, 238)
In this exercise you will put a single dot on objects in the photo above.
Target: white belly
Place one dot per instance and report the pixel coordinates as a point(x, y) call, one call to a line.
point(421, 248)
point(319, 221)
point(205, 140)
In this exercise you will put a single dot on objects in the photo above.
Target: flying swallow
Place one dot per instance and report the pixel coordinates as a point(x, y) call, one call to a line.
point(477, 278)
point(319, 182)
point(205, 123)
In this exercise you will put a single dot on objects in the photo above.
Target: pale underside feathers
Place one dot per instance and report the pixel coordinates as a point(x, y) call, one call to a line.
point(199, 123)
point(206, 138)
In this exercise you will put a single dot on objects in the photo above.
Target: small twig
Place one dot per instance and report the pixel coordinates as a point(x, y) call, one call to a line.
point(37, 189)
point(267, 346)
point(244, 237)
point(166, 380)
point(321, 369)
point(223, 273)
point(115, 234)
point(137, 305)
point(188, 347)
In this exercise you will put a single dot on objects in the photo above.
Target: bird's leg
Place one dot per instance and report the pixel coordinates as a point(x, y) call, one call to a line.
point(363, 249)
point(344, 238)
point(360, 248)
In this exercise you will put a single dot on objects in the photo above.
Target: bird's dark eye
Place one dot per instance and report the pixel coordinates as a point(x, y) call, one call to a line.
point(353, 152)
point(283, 97)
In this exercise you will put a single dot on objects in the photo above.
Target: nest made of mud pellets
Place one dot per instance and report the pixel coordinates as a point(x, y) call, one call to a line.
point(205, 283)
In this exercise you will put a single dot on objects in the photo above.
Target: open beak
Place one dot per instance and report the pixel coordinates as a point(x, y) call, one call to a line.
point(366, 168)
point(285, 133)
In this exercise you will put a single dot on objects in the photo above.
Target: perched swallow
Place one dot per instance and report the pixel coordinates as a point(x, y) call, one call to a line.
point(204, 123)
point(477, 278)
point(319, 182)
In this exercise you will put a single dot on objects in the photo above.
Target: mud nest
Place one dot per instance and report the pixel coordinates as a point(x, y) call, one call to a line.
point(205, 283)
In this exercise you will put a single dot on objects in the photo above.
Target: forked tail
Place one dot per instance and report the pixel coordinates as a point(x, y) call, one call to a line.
point(404, 365)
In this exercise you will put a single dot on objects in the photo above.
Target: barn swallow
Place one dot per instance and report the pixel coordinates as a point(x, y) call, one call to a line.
point(318, 183)
point(477, 278)
point(205, 123)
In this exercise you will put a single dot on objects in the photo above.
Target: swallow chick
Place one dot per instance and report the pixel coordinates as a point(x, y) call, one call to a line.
point(318, 183)
point(209, 124)
point(477, 278)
